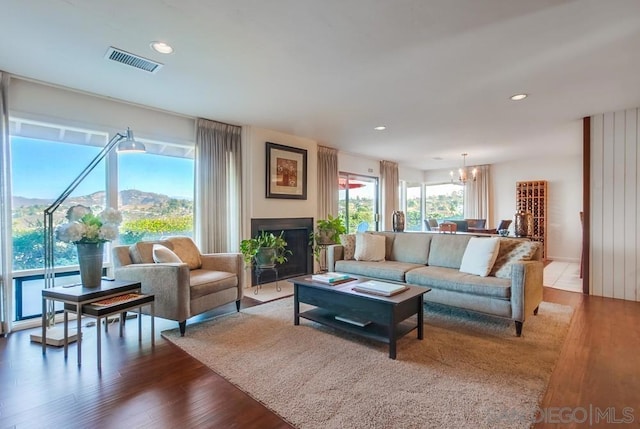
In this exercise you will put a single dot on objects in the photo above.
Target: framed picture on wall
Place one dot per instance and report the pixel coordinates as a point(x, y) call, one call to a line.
point(286, 172)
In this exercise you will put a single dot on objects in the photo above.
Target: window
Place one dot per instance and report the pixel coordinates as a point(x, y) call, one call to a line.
point(358, 202)
point(154, 193)
point(411, 195)
point(444, 201)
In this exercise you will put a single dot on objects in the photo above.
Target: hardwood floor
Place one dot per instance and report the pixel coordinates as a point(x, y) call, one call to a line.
point(164, 387)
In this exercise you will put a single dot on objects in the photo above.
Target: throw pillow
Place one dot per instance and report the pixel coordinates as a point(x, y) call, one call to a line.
point(162, 254)
point(513, 250)
point(348, 242)
point(369, 247)
point(480, 255)
point(186, 250)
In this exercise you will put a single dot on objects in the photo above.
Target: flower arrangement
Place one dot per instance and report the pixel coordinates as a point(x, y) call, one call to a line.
point(85, 227)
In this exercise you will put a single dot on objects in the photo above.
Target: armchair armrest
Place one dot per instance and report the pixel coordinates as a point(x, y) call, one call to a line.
point(335, 252)
point(168, 282)
point(228, 262)
point(526, 288)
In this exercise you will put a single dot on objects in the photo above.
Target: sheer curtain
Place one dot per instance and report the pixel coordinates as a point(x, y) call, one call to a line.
point(5, 207)
point(327, 182)
point(476, 195)
point(218, 199)
point(389, 183)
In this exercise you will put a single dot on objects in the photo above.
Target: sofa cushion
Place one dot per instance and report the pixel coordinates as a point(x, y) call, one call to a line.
point(411, 247)
point(480, 255)
point(385, 270)
point(389, 238)
point(369, 247)
point(187, 251)
point(162, 254)
point(447, 250)
point(453, 280)
point(513, 250)
point(142, 251)
point(348, 242)
point(206, 282)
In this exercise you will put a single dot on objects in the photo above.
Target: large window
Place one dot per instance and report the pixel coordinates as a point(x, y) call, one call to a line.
point(358, 202)
point(154, 192)
point(412, 203)
point(444, 201)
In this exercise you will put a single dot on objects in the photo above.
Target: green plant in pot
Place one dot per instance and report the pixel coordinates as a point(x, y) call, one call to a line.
point(265, 249)
point(327, 232)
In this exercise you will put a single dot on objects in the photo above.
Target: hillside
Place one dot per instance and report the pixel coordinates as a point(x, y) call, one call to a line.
point(134, 204)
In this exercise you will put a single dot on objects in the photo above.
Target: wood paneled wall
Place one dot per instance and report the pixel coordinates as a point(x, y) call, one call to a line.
point(615, 205)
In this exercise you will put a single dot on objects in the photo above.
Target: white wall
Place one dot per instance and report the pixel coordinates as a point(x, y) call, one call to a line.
point(564, 201)
point(44, 103)
point(254, 161)
point(615, 205)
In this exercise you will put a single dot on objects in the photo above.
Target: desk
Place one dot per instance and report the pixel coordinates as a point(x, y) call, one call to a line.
point(78, 296)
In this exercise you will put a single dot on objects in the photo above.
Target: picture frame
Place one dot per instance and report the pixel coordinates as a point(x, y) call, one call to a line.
point(286, 172)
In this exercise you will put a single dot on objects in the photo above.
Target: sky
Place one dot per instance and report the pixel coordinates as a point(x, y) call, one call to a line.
point(45, 169)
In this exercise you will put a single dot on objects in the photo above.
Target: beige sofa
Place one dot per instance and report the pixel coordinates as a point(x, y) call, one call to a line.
point(512, 290)
point(186, 287)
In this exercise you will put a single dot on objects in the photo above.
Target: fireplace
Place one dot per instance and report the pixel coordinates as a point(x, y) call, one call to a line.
point(296, 234)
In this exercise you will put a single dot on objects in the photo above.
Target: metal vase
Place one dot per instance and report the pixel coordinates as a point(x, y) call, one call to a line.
point(90, 260)
point(398, 221)
point(523, 224)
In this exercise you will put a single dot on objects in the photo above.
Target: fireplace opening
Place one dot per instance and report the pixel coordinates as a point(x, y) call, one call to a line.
point(296, 234)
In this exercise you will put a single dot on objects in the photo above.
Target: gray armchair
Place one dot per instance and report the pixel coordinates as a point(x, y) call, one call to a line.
point(191, 285)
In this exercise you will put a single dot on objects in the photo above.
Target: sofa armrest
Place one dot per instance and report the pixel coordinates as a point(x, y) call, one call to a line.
point(228, 262)
point(335, 252)
point(526, 288)
point(169, 283)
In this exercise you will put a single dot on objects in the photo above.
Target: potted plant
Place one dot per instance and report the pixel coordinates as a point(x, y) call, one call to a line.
point(327, 232)
point(265, 249)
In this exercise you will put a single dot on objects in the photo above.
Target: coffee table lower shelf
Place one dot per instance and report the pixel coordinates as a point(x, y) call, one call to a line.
point(373, 331)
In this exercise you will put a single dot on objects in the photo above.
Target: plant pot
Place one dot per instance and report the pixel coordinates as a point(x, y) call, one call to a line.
point(90, 261)
point(325, 236)
point(266, 257)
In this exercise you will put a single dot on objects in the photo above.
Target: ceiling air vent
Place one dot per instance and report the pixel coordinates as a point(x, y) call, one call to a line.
point(132, 60)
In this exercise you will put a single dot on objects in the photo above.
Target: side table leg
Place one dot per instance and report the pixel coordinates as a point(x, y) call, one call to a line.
point(99, 340)
point(153, 328)
point(79, 333)
point(140, 324)
point(66, 333)
point(44, 326)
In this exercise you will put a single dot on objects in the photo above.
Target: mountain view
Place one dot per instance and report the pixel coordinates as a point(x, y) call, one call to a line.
point(146, 216)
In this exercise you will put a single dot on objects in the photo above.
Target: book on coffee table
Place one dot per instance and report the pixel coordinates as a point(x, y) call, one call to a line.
point(379, 288)
point(331, 278)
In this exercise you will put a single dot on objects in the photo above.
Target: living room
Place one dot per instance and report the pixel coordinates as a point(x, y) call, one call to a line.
point(50, 97)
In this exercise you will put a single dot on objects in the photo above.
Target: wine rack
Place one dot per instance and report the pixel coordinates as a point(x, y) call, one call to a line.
point(531, 197)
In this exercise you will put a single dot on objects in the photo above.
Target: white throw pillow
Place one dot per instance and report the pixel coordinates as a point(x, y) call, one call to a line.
point(480, 255)
point(369, 247)
point(162, 254)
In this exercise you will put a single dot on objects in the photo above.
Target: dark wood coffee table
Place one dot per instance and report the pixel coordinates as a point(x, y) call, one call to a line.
point(384, 318)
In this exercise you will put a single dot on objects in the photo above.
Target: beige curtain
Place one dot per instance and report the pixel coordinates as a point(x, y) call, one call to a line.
point(327, 182)
point(218, 199)
point(476, 195)
point(389, 196)
point(5, 206)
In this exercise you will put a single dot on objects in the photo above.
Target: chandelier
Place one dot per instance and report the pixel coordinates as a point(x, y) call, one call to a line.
point(463, 175)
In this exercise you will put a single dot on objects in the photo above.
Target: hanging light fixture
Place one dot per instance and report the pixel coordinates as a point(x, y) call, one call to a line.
point(463, 175)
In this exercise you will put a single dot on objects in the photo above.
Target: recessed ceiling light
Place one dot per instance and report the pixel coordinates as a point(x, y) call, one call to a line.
point(162, 47)
point(518, 97)
point(380, 128)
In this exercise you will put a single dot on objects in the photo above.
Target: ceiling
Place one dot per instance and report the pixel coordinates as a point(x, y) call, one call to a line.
point(437, 73)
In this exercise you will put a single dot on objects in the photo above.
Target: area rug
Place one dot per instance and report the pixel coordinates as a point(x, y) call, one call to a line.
point(469, 371)
point(268, 291)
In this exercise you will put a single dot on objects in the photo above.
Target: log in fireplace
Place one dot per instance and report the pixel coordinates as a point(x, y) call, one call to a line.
point(296, 234)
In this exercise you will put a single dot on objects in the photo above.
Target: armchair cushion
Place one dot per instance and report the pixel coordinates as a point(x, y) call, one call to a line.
point(162, 254)
point(204, 282)
point(187, 251)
